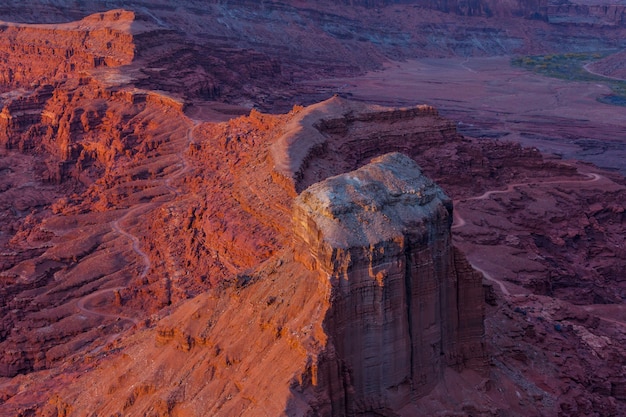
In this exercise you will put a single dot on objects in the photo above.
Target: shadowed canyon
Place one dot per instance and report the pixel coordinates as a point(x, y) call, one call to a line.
point(287, 208)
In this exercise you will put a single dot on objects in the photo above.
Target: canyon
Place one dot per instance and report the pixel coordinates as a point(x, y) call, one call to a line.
point(240, 218)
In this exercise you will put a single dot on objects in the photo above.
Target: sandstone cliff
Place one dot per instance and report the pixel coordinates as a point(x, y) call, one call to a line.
point(164, 278)
point(362, 314)
point(78, 126)
point(54, 106)
point(401, 308)
point(576, 12)
point(258, 53)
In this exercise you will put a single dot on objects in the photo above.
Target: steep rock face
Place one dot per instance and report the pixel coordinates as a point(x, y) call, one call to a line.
point(76, 125)
point(340, 135)
point(403, 306)
point(206, 216)
point(38, 324)
point(489, 8)
point(257, 53)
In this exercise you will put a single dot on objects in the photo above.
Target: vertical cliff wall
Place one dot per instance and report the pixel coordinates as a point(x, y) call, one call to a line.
point(404, 304)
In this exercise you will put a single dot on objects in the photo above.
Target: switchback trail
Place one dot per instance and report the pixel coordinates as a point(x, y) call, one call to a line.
point(147, 263)
point(459, 221)
point(81, 305)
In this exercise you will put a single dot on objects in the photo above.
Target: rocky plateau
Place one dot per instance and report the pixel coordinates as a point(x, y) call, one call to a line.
point(194, 224)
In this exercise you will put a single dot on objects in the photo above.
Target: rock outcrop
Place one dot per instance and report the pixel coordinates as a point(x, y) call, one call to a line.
point(257, 54)
point(167, 279)
point(404, 304)
point(488, 8)
point(335, 136)
point(575, 12)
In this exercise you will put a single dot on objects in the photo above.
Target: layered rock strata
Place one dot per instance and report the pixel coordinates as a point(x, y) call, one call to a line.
point(405, 305)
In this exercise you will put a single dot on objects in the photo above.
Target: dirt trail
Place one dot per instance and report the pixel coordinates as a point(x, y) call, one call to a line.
point(593, 309)
point(592, 178)
point(183, 162)
point(81, 305)
point(459, 221)
point(115, 225)
point(590, 71)
point(486, 274)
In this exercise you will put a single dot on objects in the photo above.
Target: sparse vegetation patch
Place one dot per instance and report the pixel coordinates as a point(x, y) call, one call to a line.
point(571, 66)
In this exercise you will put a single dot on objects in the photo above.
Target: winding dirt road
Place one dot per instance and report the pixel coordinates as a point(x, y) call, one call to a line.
point(81, 306)
point(82, 303)
point(590, 71)
point(459, 222)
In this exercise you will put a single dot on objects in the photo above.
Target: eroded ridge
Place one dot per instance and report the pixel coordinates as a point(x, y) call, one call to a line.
point(334, 136)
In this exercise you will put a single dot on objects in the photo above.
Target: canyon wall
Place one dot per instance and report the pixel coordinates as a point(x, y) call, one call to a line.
point(53, 105)
point(487, 8)
point(595, 15)
point(556, 12)
point(405, 304)
point(258, 53)
point(78, 126)
point(241, 314)
point(282, 333)
point(173, 209)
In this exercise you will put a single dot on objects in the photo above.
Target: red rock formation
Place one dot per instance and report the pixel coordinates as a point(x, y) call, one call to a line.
point(79, 127)
point(401, 310)
point(211, 223)
point(88, 130)
point(314, 143)
point(43, 53)
point(490, 8)
point(249, 64)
